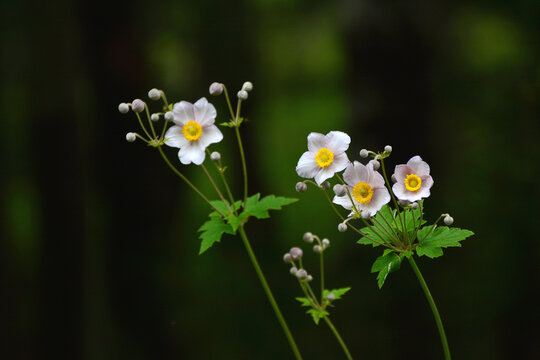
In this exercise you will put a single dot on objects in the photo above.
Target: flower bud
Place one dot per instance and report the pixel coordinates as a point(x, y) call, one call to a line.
point(300, 187)
point(131, 137)
point(154, 117)
point(342, 227)
point(301, 274)
point(216, 89)
point(404, 203)
point(287, 258)
point(317, 248)
point(375, 163)
point(215, 156)
point(309, 278)
point(325, 243)
point(242, 95)
point(169, 116)
point(340, 190)
point(293, 270)
point(123, 108)
point(393, 178)
point(248, 86)
point(448, 220)
point(296, 253)
point(364, 153)
point(137, 105)
point(154, 94)
point(387, 149)
point(308, 237)
point(331, 297)
point(366, 214)
point(414, 205)
point(326, 185)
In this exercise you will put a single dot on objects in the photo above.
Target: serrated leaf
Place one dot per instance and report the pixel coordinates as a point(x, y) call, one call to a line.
point(385, 265)
point(432, 241)
point(385, 219)
point(367, 241)
point(317, 314)
point(304, 301)
point(338, 293)
point(220, 205)
point(212, 230)
point(259, 208)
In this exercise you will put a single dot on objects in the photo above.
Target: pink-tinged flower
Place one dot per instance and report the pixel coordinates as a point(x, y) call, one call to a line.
point(365, 187)
point(325, 156)
point(194, 130)
point(412, 180)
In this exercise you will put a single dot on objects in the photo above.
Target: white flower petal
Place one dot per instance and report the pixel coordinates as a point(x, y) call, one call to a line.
point(205, 113)
point(343, 201)
point(341, 161)
point(323, 174)
point(316, 141)
point(337, 141)
point(175, 138)
point(418, 166)
point(401, 172)
point(192, 152)
point(355, 173)
point(307, 166)
point(210, 135)
point(183, 112)
point(375, 179)
point(381, 196)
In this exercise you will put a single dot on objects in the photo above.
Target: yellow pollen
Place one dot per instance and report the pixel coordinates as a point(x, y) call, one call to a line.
point(362, 192)
point(192, 130)
point(413, 182)
point(324, 157)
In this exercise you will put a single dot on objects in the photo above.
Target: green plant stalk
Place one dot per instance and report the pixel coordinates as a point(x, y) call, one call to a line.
point(338, 337)
point(244, 168)
point(402, 220)
point(269, 294)
point(433, 308)
point(217, 189)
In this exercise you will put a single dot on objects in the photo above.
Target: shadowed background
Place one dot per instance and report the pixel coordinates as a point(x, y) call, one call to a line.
point(99, 239)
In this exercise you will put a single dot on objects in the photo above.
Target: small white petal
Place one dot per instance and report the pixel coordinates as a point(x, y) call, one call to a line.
point(322, 175)
point(192, 152)
point(337, 141)
point(183, 112)
point(307, 166)
point(175, 138)
point(341, 161)
point(418, 166)
point(401, 172)
point(355, 173)
point(343, 201)
point(210, 135)
point(205, 113)
point(316, 141)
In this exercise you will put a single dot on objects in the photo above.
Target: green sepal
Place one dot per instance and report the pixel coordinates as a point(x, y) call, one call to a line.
point(212, 230)
point(317, 314)
point(432, 239)
point(386, 264)
point(227, 124)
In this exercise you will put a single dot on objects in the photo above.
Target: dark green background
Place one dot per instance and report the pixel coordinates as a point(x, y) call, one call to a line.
point(99, 239)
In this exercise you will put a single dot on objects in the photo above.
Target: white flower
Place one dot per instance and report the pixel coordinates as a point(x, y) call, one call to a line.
point(366, 188)
point(325, 157)
point(194, 130)
point(412, 180)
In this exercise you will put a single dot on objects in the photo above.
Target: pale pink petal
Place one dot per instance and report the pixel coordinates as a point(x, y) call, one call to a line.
point(401, 172)
point(323, 174)
point(175, 138)
point(401, 191)
point(315, 142)
point(307, 166)
point(192, 152)
point(355, 173)
point(341, 161)
point(343, 201)
point(375, 179)
point(210, 135)
point(205, 113)
point(418, 166)
point(427, 181)
point(381, 196)
point(337, 141)
point(183, 112)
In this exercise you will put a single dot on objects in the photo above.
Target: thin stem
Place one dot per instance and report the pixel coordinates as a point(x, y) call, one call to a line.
point(338, 337)
point(269, 294)
point(228, 101)
point(150, 120)
point(187, 181)
point(433, 308)
point(322, 274)
point(224, 180)
point(392, 194)
point(244, 168)
point(216, 187)
point(142, 125)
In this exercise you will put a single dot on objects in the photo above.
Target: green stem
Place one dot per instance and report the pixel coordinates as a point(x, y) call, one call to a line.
point(269, 294)
point(217, 188)
point(402, 220)
point(322, 274)
point(338, 337)
point(433, 308)
point(244, 168)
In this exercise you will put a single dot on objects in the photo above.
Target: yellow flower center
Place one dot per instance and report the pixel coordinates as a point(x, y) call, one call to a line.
point(192, 130)
point(413, 182)
point(324, 157)
point(362, 192)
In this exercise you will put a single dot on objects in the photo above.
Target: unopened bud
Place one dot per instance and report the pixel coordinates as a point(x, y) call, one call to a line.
point(326, 185)
point(242, 95)
point(387, 149)
point(137, 105)
point(448, 220)
point(325, 243)
point(169, 116)
point(364, 153)
point(300, 187)
point(123, 108)
point(308, 237)
point(248, 86)
point(317, 248)
point(296, 253)
point(154, 94)
point(154, 117)
point(340, 190)
point(216, 89)
point(215, 156)
point(376, 164)
point(293, 270)
point(393, 178)
point(404, 203)
point(366, 214)
point(130, 137)
point(342, 227)
point(287, 258)
point(309, 278)
point(301, 274)
point(331, 297)
point(414, 205)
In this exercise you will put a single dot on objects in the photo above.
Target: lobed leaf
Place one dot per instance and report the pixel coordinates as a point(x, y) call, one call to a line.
point(386, 264)
point(259, 208)
point(432, 239)
point(304, 301)
point(212, 230)
point(338, 293)
point(317, 314)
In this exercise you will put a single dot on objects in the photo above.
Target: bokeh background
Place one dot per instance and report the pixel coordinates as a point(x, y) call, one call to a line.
point(99, 239)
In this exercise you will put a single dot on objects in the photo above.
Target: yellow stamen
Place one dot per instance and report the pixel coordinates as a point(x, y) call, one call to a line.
point(324, 157)
point(413, 182)
point(362, 192)
point(192, 130)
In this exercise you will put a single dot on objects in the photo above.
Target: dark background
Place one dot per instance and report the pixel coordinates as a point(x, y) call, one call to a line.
point(99, 239)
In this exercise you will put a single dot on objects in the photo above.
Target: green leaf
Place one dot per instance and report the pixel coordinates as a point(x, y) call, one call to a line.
point(212, 230)
point(432, 241)
point(317, 314)
point(259, 208)
point(220, 205)
point(385, 265)
point(304, 301)
point(385, 218)
point(338, 293)
point(226, 124)
point(367, 241)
